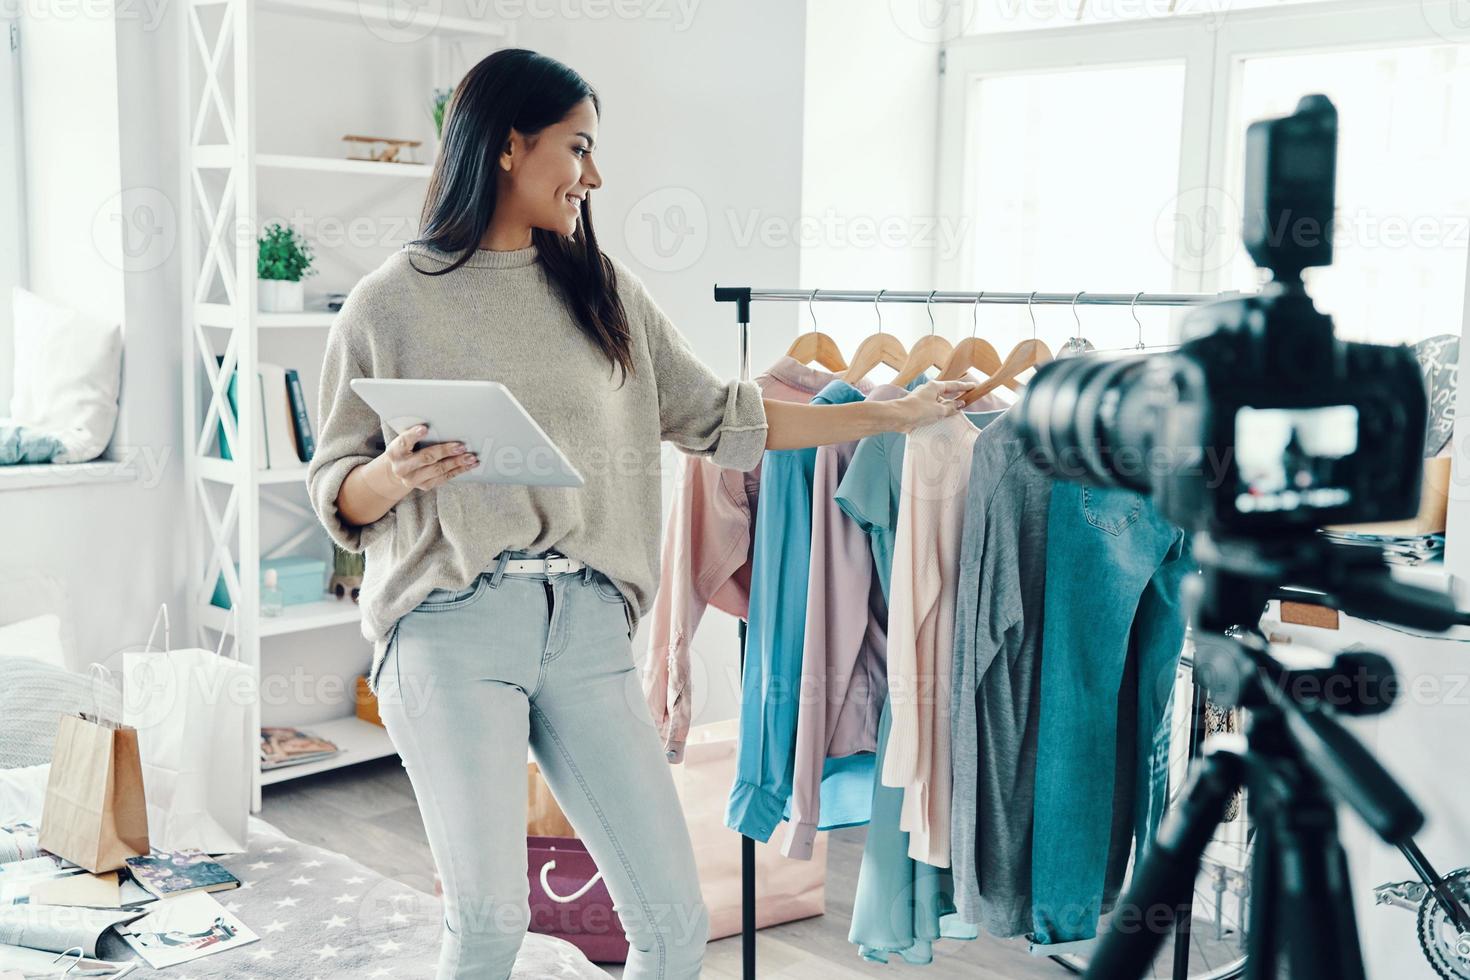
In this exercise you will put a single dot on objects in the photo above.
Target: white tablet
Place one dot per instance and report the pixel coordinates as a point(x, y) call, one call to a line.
point(483, 415)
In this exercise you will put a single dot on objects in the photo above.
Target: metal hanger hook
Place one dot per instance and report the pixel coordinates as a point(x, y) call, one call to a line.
point(811, 312)
point(1031, 312)
point(74, 963)
point(929, 308)
point(878, 311)
point(1133, 311)
point(975, 313)
point(1074, 313)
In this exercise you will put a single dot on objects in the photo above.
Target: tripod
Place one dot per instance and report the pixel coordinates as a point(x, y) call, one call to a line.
point(1294, 760)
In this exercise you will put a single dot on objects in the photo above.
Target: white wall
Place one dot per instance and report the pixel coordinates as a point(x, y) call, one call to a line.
point(869, 167)
point(1417, 740)
point(99, 238)
point(701, 135)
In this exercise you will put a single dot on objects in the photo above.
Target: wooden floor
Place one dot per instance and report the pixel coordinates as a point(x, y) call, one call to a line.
point(368, 812)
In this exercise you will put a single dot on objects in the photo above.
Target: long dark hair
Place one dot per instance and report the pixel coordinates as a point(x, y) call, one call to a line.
point(520, 89)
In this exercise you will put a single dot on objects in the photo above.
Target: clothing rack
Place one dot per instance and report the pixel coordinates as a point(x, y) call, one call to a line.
point(742, 297)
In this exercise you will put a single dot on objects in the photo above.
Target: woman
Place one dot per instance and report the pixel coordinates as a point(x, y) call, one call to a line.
point(503, 615)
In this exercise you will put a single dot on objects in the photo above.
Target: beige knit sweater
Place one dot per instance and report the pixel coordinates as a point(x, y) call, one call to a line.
point(497, 318)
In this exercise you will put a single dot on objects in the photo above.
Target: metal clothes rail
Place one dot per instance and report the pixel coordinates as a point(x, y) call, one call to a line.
point(742, 297)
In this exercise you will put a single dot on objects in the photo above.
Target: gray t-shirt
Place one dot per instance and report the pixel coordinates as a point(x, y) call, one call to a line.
point(996, 692)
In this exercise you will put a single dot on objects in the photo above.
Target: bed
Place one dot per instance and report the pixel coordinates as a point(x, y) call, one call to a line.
point(318, 913)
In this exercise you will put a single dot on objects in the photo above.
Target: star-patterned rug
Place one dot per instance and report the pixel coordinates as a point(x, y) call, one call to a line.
point(321, 915)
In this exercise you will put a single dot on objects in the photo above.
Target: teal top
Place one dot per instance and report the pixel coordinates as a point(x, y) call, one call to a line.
point(869, 493)
point(766, 752)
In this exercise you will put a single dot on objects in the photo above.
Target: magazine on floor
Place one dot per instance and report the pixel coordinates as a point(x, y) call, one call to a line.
point(58, 927)
point(34, 962)
point(183, 928)
point(31, 876)
point(17, 878)
point(19, 841)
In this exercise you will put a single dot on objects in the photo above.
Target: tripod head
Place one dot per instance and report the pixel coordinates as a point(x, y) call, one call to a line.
point(1295, 701)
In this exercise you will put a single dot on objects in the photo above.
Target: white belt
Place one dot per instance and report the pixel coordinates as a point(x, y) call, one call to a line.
point(549, 566)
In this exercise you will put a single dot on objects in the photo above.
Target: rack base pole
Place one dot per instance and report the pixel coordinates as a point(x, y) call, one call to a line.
point(747, 876)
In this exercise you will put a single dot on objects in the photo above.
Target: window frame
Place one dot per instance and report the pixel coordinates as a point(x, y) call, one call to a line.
point(1213, 49)
point(1214, 52)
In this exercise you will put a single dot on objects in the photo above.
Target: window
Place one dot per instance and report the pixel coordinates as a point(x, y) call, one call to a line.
point(1403, 200)
point(12, 214)
point(998, 16)
point(1108, 156)
point(1032, 181)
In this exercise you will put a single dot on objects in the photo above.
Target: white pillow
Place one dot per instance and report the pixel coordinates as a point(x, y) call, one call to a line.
point(22, 793)
point(68, 368)
point(38, 638)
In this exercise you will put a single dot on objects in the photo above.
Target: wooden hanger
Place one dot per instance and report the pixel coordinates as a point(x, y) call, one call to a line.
point(931, 351)
point(878, 348)
point(817, 346)
point(973, 352)
point(1027, 354)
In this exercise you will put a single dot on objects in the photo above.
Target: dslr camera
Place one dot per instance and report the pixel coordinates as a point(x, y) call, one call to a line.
point(1262, 421)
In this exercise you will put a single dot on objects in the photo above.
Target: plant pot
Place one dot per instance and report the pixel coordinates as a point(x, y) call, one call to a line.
point(280, 296)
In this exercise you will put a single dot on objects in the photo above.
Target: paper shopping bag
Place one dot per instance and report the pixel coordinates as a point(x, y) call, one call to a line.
point(569, 899)
point(94, 814)
point(786, 889)
point(543, 814)
point(193, 711)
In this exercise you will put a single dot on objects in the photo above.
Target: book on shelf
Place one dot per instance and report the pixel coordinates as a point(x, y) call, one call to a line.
point(184, 928)
point(286, 746)
point(282, 426)
point(305, 440)
point(169, 873)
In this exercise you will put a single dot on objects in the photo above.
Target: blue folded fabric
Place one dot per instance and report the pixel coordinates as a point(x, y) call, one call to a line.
point(19, 444)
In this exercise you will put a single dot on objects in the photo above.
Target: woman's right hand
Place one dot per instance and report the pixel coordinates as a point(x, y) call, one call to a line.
point(376, 487)
point(402, 469)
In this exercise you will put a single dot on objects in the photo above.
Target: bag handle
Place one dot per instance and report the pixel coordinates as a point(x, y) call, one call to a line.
point(232, 618)
point(95, 716)
point(162, 615)
point(545, 876)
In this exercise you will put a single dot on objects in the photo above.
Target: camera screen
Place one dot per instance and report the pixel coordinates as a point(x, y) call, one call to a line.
point(1293, 458)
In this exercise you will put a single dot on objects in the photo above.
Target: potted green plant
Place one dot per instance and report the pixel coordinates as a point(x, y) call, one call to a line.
point(438, 106)
point(283, 260)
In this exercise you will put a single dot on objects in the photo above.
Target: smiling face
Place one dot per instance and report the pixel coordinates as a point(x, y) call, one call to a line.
point(545, 178)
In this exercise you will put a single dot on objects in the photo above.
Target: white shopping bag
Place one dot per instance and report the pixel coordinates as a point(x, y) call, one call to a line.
point(193, 710)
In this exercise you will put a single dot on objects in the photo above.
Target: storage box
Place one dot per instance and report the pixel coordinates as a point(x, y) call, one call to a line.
point(1434, 504)
point(367, 704)
point(300, 579)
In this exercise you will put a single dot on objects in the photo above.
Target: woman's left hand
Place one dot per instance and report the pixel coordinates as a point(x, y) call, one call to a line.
point(930, 401)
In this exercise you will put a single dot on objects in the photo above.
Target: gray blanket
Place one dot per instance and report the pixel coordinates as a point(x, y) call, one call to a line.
point(320, 914)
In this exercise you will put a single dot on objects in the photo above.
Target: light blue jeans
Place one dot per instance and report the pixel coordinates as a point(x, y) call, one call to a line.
point(470, 678)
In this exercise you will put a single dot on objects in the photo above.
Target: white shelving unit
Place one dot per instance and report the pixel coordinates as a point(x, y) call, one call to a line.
point(219, 111)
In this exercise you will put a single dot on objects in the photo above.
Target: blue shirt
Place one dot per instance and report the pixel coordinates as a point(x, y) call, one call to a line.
point(771, 681)
point(869, 494)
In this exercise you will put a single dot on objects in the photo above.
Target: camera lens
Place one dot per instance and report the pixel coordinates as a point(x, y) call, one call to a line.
point(1070, 420)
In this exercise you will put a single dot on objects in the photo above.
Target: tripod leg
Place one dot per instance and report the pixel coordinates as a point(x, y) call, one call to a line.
point(1164, 882)
point(1314, 897)
point(1264, 939)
